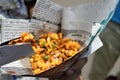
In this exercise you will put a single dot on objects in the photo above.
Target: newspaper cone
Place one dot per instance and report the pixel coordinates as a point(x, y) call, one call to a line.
point(76, 23)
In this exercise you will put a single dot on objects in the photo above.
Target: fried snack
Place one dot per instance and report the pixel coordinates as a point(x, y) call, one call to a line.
point(50, 49)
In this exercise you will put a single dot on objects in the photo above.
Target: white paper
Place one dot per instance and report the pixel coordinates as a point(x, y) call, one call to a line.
point(81, 18)
point(46, 10)
point(38, 28)
point(69, 3)
point(97, 43)
point(0, 30)
point(12, 28)
point(19, 67)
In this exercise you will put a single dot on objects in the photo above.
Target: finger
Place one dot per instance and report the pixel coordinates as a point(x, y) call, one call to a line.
point(79, 78)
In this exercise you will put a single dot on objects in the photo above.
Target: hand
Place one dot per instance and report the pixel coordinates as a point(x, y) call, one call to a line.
point(74, 72)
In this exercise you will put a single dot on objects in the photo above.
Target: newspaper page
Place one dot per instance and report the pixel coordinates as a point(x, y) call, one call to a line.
point(46, 11)
point(18, 67)
point(12, 28)
point(38, 27)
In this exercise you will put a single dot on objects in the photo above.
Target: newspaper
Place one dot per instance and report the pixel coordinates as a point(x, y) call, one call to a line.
point(49, 12)
point(45, 10)
point(22, 69)
point(38, 27)
point(12, 28)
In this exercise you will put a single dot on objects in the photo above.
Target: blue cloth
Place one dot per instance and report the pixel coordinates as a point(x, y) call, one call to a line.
point(16, 13)
point(116, 16)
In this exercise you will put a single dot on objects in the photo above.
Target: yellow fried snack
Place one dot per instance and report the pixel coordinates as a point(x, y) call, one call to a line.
point(50, 49)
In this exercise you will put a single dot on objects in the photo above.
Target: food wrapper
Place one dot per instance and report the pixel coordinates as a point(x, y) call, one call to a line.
point(82, 23)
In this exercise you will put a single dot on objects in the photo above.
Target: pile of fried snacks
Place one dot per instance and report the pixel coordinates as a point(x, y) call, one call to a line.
point(50, 49)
